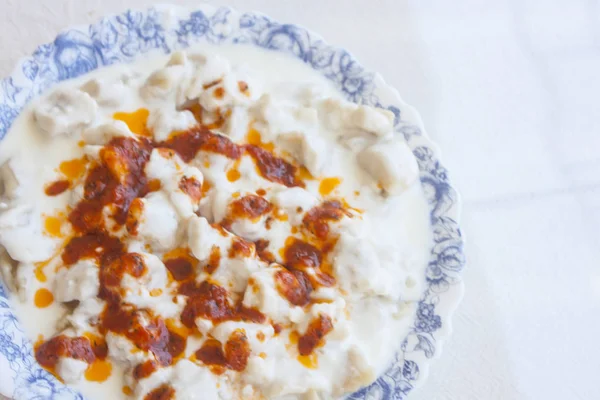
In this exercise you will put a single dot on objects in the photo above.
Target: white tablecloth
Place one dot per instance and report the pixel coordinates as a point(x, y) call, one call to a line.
point(509, 90)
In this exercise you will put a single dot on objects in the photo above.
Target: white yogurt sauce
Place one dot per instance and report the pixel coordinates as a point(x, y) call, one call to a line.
point(379, 256)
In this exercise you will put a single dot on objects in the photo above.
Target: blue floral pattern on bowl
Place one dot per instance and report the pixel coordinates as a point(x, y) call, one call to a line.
point(121, 39)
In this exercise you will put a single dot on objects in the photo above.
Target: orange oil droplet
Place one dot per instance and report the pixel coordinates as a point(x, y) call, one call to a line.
point(127, 391)
point(43, 298)
point(294, 337)
point(136, 121)
point(281, 216)
point(254, 137)
point(304, 174)
point(154, 185)
point(309, 361)
point(39, 271)
point(52, 226)
point(98, 371)
point(73, 169)
point(233, 174)
point(328, 185)
point(346, 205)
point(206, 186)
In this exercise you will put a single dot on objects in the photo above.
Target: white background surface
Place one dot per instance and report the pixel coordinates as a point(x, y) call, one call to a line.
point(509, 90)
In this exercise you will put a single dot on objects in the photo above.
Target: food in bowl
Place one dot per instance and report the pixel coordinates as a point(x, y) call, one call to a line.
point(193, 228)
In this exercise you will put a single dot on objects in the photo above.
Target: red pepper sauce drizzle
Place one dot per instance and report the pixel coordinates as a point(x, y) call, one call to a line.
point(188, 144)
point(241, 248)
point(305, 263)
point(294, 286)
point(249, 207)
point(155, 337)
point(181, 263)
point(311, 251)
point(163, 392)
point(57, 187)
point(116, 181)
point(273, 168)
point(234, 355)
point(317, 219)
point(192, 187)
point(180, 268)
point(211, 302)
point(262, 252)
point(314, 335)
point(299, 254)
point(79, 348)
point(214, 260)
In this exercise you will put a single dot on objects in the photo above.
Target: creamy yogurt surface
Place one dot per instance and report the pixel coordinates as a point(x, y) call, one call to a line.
point(214, 224)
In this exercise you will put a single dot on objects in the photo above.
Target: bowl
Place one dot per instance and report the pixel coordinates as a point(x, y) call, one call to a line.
point(125, 37)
